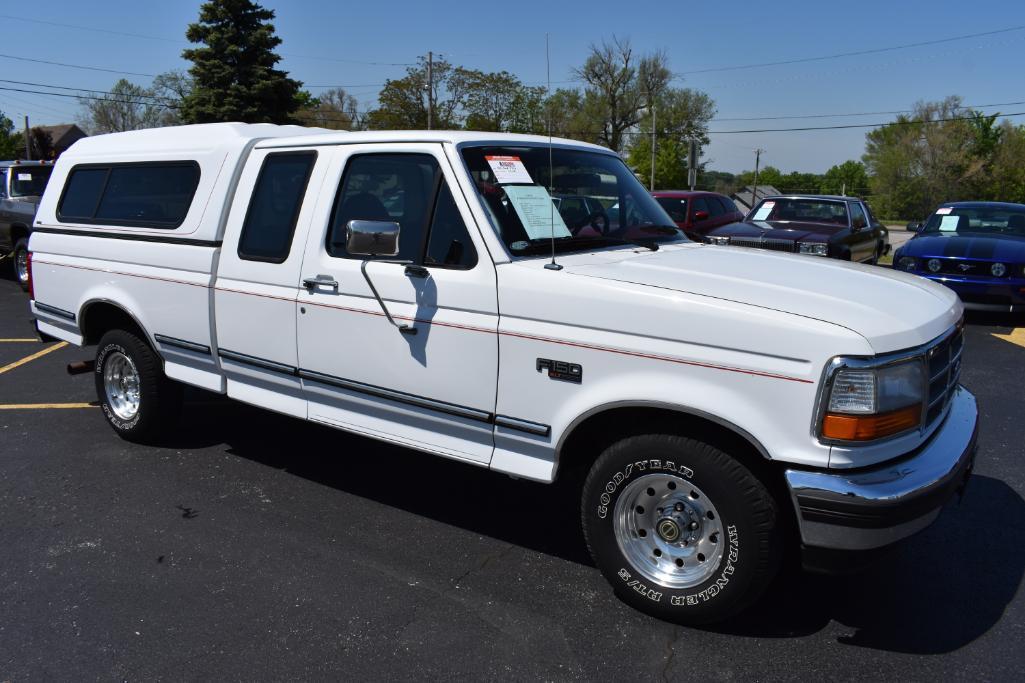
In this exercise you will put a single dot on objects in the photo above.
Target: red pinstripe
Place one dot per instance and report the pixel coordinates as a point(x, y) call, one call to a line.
point(468, 328)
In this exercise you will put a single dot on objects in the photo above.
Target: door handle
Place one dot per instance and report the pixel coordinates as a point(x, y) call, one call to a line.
point(312, 283)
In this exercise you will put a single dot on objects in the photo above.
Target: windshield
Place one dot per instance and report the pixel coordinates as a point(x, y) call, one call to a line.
point(29, 181)
point(994, 220)
point(803, 210)
point(676, 207)
point(595, 200)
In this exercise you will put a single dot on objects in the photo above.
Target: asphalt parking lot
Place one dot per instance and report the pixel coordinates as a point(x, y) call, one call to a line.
point(252, 546)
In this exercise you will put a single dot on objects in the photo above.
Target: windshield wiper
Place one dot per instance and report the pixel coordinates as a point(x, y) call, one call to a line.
point(539, 244)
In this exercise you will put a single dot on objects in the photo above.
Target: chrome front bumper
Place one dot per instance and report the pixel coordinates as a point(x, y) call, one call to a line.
point(872, 507)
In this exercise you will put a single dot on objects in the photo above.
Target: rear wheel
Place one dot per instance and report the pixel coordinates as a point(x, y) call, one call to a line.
point(680, 529)
point(20, 257)
point(137, 399)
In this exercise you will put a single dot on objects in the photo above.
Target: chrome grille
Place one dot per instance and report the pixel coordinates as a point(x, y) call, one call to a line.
point(943, 362)
point(762, 243)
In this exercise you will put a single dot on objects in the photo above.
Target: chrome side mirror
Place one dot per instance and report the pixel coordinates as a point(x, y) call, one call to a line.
point(372, 238)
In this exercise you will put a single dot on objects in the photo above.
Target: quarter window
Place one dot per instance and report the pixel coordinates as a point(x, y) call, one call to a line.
point(274, 209)
point(408, 189)
point(150, 195)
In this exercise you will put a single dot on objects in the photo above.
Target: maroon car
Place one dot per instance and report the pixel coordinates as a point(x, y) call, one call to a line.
point(819, 225)
point(696, 213)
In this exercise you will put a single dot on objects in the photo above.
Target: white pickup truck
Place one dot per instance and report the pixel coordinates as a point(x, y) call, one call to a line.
point(727, 405)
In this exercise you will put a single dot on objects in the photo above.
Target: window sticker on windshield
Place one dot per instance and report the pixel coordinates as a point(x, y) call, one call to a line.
point(537, 212)
point(763, 211)
point(508, 169)
point(25, 176)
point(943, 211)
point(949, 223)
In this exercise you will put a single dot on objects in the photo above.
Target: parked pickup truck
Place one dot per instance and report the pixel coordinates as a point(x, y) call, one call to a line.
point(21, 185)
point(723, 407)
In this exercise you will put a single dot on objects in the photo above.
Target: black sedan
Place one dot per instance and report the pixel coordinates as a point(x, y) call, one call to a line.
point(819, 225)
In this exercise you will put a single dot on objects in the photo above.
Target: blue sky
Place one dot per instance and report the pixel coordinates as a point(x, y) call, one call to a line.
point(331, 43)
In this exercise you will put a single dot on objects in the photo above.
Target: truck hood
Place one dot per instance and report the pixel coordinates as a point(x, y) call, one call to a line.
point(987, 247)
point(890, 309)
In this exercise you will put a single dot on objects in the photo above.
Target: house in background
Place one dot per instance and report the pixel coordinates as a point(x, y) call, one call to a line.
point(63, 136)
point(745, 201)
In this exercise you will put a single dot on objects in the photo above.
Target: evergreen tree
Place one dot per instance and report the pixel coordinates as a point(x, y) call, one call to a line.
point(234, 74)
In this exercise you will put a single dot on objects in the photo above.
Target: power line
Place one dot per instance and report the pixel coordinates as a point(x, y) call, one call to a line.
point(908, 122)
point(183, 42)
point(91, 97)
point(78, 66)
point(855, 53)
point(864, 113)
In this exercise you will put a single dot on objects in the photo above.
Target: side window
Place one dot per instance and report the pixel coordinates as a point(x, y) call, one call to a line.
point(82, 194)
point(449, 243)
point(857, 215)
point(3, 183)
point(715, 209)
point(408, 189)
point(150, 195)
point(274, 209)
point(700, 204)
point(868, 211)
point(728, 204)
point(386, 187)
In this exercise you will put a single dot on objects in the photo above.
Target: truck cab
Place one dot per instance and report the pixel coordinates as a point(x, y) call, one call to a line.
point(21, 186)
point(718, 408)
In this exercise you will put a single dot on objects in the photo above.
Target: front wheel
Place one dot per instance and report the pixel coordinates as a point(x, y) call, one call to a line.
point(21, 262)
point(137, 399)
point(680, 529)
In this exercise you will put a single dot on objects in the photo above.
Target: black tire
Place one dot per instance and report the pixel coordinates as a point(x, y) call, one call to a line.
point(160, 399)
point(750, 542)
point(20, 252)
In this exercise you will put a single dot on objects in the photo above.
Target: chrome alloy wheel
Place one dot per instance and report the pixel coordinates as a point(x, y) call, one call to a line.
point(121, 384)
point(21, 265)
point(669, 530)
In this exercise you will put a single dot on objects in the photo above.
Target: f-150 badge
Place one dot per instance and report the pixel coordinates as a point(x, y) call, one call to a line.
point(557, 369)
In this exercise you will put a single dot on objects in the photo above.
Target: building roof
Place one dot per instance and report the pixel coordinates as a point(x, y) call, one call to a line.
point(64, 134)
point(744, 195)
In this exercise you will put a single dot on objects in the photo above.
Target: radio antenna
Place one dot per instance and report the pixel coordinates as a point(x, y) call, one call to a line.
point(551, 172)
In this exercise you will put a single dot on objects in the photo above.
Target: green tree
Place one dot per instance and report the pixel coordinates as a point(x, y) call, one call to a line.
point(922, 160)
point(681, 114)
point(850, 177)
point(8, 138)
point(234, 75)
point(500, 102)
point(619, 87)
point(403, 102)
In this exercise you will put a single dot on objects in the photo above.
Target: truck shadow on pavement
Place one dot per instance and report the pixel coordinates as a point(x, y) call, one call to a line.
point(940, 591)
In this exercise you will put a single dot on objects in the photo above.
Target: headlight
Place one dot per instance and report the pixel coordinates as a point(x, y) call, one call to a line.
point(907, 262)
point(998, 269)
point(717, 239)
point(867, 403)
point(816, 248)
point(934, 265)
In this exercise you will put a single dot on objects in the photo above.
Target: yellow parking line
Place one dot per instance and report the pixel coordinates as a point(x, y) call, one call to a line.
point(16, 341)
point(1017, 336)
point(44, 406)
point(28, 359)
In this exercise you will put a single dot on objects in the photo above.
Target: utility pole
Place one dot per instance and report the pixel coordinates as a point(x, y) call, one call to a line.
point(28, 141)
point(692, 164)
point(430, 90)
point(652, 146)
point(754, 190)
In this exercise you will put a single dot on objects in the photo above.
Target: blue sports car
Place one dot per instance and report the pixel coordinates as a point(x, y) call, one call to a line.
point(975, 248)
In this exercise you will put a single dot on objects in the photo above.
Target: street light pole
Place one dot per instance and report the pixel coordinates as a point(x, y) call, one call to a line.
point(430, 89)
point(754, 190)
point(652, 146)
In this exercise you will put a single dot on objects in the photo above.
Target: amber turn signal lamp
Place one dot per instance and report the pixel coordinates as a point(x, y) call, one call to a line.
point(868, 427)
